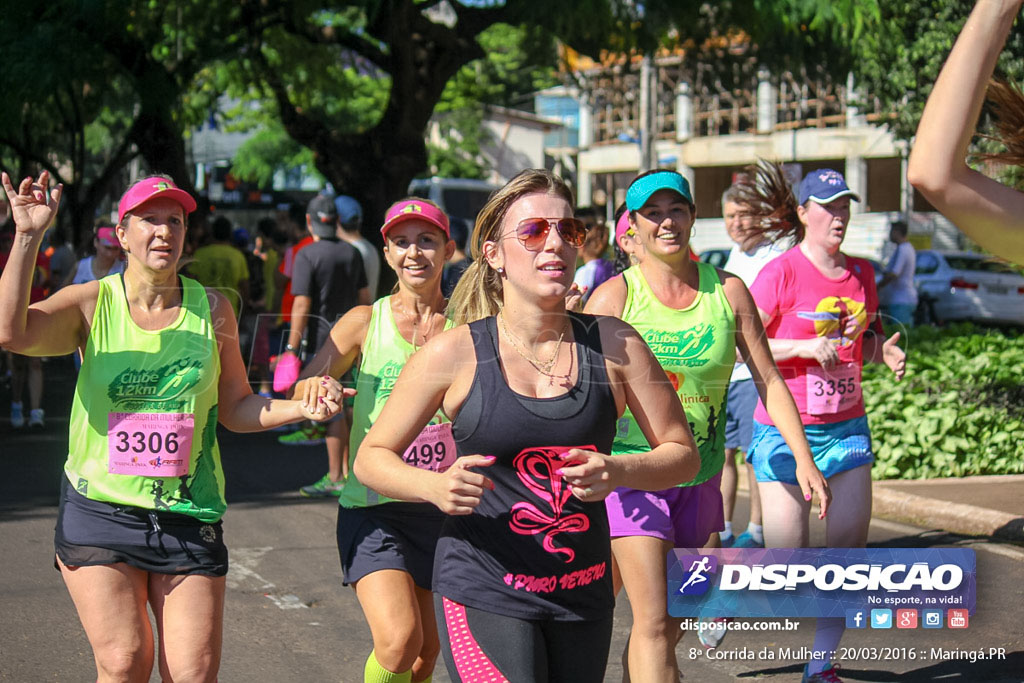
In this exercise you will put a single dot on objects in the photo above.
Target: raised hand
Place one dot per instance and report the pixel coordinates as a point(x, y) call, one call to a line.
point(574, 298)
point(34, 204)
point(894, 357)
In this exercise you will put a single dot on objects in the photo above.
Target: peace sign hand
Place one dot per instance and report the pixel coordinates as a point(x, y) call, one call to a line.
point(34, 204)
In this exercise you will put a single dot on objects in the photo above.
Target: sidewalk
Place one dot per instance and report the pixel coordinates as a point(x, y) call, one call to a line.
point(977, 506)
point(973, 506)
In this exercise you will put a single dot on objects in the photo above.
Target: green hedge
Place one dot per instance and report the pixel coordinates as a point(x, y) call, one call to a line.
point(958, 411)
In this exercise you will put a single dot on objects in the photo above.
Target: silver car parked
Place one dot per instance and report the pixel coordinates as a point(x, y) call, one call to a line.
point(966, 286)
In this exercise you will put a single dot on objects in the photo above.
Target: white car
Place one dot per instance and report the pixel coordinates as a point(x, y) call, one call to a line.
point(966, 286)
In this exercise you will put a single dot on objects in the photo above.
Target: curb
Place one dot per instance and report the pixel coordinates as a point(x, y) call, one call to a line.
point(958, 518)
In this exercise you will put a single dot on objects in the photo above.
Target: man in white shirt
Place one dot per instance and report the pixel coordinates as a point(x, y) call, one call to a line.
point(897, 295)
point(750, 253)
point(350, 213)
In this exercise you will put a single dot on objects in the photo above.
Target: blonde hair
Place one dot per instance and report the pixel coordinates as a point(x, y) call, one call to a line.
point(479, 293)
point(1007, 103)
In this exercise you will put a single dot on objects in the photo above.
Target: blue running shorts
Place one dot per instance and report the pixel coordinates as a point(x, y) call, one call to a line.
point(836, 447)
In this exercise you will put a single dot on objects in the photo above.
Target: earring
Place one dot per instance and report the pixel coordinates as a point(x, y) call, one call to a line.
point(501, 271)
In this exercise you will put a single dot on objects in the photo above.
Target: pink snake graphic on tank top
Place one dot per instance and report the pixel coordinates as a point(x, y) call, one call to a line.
point(536, 467)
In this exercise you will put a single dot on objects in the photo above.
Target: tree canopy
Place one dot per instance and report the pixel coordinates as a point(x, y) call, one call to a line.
point(349, 86)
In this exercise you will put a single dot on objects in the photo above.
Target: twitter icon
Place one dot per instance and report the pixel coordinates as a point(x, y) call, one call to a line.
point(881, 618)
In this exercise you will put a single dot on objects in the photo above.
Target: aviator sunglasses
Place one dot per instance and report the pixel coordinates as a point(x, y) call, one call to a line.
point(532, 233)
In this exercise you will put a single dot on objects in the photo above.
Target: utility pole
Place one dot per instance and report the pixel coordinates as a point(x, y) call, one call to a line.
point(647, 105)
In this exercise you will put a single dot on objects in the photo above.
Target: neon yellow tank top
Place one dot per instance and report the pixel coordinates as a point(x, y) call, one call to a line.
point(385, 353)
point(144, 417)
point(696, 347)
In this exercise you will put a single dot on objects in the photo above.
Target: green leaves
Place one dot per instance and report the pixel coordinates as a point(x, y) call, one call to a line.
point(898, 61)
point(959, 411)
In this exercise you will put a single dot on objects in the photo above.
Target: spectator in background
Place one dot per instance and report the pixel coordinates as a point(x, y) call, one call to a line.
point(270, 244)
point(897, 294)
point(595, 269)
point(327, 280)
point(292, 222)
point(222, 266)
point(254, 346)
point(350, 214)
point(62, 259)
point(26, 368)
point(107, 258)
point(460, 260)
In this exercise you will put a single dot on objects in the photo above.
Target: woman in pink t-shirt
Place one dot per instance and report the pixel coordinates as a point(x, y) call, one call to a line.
point(818, 305)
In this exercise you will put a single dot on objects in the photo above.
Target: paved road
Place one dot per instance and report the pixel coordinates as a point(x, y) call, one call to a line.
point(289, 619)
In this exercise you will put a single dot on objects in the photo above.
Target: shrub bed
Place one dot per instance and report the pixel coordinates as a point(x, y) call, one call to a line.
point(958, 411)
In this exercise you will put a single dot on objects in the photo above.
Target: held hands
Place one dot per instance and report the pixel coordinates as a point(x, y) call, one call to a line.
point(459, 489)
point(587, 474)
point(321, 400)
point(820, 349)
point(810, 479)
point(894, 357)
point(34, 204)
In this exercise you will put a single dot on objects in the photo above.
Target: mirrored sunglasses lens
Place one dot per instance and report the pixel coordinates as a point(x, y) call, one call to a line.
point(572, 231)
point(532, 231)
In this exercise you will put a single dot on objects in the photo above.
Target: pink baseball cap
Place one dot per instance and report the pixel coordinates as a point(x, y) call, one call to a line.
point(409, 209)
point(621, 225)
point(108, 236)
point(151, 188)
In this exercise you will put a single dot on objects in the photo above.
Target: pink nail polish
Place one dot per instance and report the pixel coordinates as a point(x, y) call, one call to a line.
point(559, 472)
point(807, 496)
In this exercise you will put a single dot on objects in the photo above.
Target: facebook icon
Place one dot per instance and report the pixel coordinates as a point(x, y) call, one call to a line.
point(856, 618)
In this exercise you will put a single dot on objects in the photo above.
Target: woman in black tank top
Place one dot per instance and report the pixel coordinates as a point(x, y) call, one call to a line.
point(522, 570)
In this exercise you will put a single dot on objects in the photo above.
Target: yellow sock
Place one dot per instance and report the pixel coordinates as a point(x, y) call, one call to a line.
point(375, 673)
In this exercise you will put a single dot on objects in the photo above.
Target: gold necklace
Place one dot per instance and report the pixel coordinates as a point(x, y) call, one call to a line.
point(415, 327)
point(544, 366)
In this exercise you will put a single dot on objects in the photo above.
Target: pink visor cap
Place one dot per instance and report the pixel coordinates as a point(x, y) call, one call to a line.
point(622, 225)
point(107, 236)
point(410, 209)
point(152, 188)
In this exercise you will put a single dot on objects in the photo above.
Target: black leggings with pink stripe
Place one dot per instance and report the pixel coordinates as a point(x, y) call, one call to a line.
point(481, 646)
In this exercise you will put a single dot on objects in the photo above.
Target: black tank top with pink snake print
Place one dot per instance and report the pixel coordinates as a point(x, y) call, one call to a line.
point(531, 549)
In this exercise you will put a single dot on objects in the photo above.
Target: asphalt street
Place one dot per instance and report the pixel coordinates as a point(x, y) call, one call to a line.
point(289, 619)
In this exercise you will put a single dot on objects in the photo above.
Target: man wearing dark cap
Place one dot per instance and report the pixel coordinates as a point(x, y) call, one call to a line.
point(327, 280)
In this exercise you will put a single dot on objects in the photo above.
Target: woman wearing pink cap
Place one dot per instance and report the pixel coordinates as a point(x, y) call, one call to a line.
point(521, 572)
point(387, 546)
point(107, 258)
point(628, 252)
point(988, 212)
point(143, 492)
